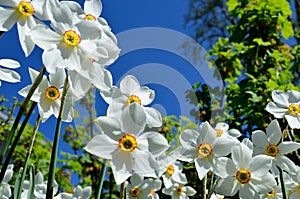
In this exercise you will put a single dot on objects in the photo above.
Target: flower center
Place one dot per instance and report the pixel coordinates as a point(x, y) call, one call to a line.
point(272, 150)
point(52, 93)
point(205, 150)
point(179, 190)
point(128, 143)
point(71, 38)
point(89, 17)
point(133, 98)
point(170, 170)
point(219, 132)
point(243, 176)
point(25, 8)
point(152, 192)
point(294, 109)
point(271, 194)
point(134, 192)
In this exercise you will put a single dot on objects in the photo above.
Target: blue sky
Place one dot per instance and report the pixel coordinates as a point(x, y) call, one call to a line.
point(161, 67)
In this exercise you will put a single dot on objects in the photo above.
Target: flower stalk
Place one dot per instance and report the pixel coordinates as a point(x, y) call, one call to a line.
point(50, 183)
point(101, 180)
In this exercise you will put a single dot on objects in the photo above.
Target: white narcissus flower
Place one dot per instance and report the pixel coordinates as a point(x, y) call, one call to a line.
point(5, 191)
point(21, 12)
point(270, 144)
point(286, 105)
point(131, 92)
point(222, 129)
point(276, 193)
point(9, 75)
point(48, 95)
point(40, 187)
point(128, 152)
point(179, 191)
point(79, 193)
point(244, 173)
point(204, 147)
point(138, 187)
point(70, 43)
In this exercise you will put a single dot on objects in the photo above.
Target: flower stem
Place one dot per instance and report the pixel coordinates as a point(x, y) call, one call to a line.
point(35, 84)
point(283, 189)
point(50, 183)
point(203, 183)
point(15, 142)
point(102, 176)
point(35, 129)
point(122, 191)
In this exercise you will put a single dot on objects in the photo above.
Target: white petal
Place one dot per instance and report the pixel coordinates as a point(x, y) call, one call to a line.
point(93, 7)
point(122, 165)
point(223, 146)
point(227, 186)
point(288, 147)
point(109, 126)
point(277, 111)
point(280, 98)
point(234, 133)
point(225, 167)
point(129, 84)
point(286, 164)
point(209, 133)
point(154, 118)
point(86, 193)
point(50, 63)
point(266, 184)
point(294, 96)
point(144, 164)
point(102, 146)
point(89, 29)
point(259, 139)
point(8, 17)
point(222, 126)
point(26, 42)
point(44, 37)
point(145, 94)
point(11, 3)
point(260, 165)
point(102, 79)
point(202, 167)
point(153, 142)
point(133, 119)
point(9, 63)
point(79, 84)
point(294, 122)
point(188, 139)
point(190, 191)
point(57, 79)
point(9, 75)
point(24, 92)
point(241, 155)
point(274, 133)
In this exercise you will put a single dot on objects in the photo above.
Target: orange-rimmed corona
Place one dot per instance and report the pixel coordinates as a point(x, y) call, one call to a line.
point(205, 150)
point(133, 98)
point(134, 192)
point(272, 150)
point(128, 143)
point(25, 8)
point(294, 109)
point(89, 17)
point(52, 93)
point(271, 194)
point(170, 170)
point(71, 38)
point(179, 189)
point(243, 176)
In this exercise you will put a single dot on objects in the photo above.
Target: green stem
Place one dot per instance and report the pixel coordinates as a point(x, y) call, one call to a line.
point(15, 142)
point(203, 191)
point(8, 141)
point(102, 176)
point(50, 183)
point(283, 189)
point(35, 129)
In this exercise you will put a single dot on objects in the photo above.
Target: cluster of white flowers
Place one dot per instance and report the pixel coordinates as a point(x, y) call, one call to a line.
point(78, 46)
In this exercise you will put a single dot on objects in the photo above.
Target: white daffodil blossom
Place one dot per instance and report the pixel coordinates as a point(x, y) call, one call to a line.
point(69, 43)
point(40, 187)
point(244, 173)
point(122, 99)
point(138, 187)
point(203, 147)
point(128, 152)
point(7, 74)
point(179, 191)
point(48, 95)
point(286, 105)
point(5, 191)
point(276, 193)
point(222, 129)
point(79, 193)
point(23, 13)
point(270, 144)
point(171, 170)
